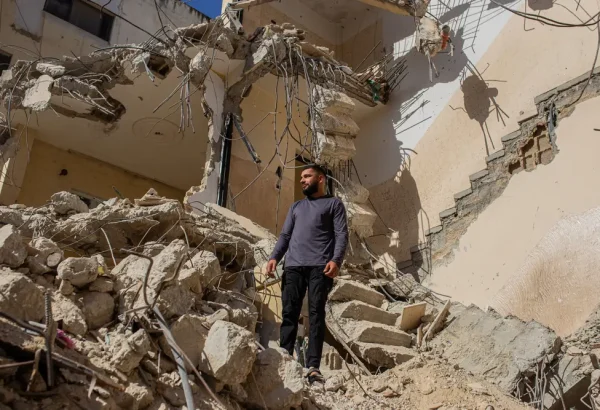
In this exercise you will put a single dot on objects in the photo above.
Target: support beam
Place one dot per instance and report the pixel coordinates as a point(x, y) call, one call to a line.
point(226, 144)
point(248, 3)
point(402, 7)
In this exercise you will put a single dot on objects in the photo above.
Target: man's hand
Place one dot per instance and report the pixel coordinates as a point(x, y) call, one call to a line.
point(331, 269)
point(271, 265)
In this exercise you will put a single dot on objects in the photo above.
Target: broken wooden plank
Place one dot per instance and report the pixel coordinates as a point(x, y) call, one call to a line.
point(249, 3)
point(437, 323)
point(411, 316)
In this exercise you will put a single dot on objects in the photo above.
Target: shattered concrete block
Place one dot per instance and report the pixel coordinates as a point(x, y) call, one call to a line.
point(12, 250)
point(361, 219)
point(20, 297)
point(332, 149)
point(131, 351)
point(200, 271)
point(36, 266)
point(229, 353)
point(48, 251)
point(386, 266)
point(353, 192)
point(98, 308)
point(78, 271)
point(73, 319)
point(102, 285)
point(53, 70)
point(37, 97)
point(10, 216)
point(141, 395)
point(338, 124)
point(241, 312)
point(64, 203)
point(498, 349)
point(368, 332)
point(277, 380)
point(174, 301)
point(199, 67)
point(165, 263)
point(190, 334)
point(345, 290)
point(333, 102)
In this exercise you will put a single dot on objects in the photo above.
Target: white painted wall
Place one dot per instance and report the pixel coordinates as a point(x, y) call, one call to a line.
point(474, 27)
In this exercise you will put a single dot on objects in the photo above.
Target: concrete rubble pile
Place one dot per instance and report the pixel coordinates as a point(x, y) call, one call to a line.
point(142, 305)
point(389, 323)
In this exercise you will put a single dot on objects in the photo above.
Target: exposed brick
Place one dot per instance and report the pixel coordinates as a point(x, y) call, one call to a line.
point(546, 157)
point(544, 143)
point(529, 163)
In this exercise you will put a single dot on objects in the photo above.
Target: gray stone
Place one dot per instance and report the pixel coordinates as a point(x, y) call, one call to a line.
point(432, 231)
point(570, 379)
point(277, 379)
point(20, 297)
point(498, 349)
point(229, 353)
point(494, 156)
point(513, 135)
point(349, 290)
point(78, 271)
point(98, 308)
point(65, 203)
point(12, 250)
point(73, 319)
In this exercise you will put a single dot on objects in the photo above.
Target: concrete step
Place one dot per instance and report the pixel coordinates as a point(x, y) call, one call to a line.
point(378, 355)
point(361, 311)
point(347, 290)
point(369, 332)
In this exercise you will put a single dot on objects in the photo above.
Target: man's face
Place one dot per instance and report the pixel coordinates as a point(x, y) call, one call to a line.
point(309, 181)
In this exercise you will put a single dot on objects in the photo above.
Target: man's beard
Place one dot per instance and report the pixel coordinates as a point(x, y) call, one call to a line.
point(311, 189)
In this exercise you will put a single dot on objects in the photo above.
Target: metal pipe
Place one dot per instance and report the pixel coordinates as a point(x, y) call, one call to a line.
point(225, 162)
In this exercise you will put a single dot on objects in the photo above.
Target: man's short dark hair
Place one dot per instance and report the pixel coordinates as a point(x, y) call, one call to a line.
point(316, 168)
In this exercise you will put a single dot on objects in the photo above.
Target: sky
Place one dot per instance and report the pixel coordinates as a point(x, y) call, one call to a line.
point(212, 8)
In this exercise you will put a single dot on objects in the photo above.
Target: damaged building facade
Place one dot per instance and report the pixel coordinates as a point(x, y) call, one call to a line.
point(150, 156)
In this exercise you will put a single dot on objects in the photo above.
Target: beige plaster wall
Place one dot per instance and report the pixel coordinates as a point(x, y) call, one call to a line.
point(520, 64)
point(263, 127)
point(491, 255)
point(85, 174)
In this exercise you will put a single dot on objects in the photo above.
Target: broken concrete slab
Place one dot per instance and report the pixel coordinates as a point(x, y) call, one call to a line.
point(497, 349)
point(78, 271)
point(64, 203)
point(379, 355)
point(47, 251)
point(411, 316)
point(12, 250)
point(332, 149)
point(98, 308)
point(361, 219)
point(229, 353)
point(345, 290)
point(20, 297)
point(368, 332)
point(361, 311)
point(102, 284)
point(568, 382)
point(277, 381)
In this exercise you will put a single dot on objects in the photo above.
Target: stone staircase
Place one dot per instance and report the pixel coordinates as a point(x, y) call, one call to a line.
point(522, 150)
point(355, 312)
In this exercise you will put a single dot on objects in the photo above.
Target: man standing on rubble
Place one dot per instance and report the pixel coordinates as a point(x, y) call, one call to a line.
point(315, 236)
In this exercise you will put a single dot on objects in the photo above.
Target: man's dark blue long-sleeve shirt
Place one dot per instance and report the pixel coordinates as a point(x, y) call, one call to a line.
point(315, 232)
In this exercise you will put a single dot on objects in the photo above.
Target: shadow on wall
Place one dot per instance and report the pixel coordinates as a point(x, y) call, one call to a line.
point(558, 283)
point(403, 216)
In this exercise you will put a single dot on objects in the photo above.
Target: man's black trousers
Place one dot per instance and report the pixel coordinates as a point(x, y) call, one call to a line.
point(295, 281)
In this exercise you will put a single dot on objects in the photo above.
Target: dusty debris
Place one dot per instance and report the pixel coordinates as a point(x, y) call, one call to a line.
point(12, 249)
